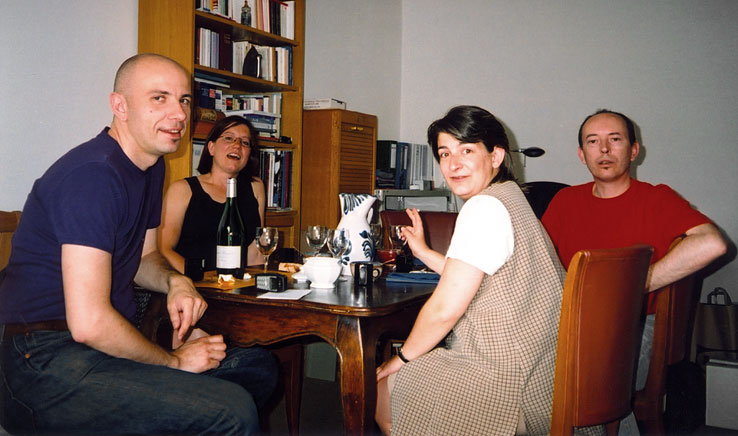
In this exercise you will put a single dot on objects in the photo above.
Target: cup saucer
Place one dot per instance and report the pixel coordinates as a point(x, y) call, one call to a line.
point(300, 276)
point(323, 285)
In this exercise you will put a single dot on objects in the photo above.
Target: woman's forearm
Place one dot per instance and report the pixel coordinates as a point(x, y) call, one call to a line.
point(432, 259)
point(448, 303)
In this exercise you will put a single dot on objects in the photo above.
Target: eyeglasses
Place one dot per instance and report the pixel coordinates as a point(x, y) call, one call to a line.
point(230, 140)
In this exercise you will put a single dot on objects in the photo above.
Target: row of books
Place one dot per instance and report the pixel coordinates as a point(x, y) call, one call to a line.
point(272, 16)
point(271, 103)
point(212, 97)
point(403, 165)
point(266, 124)
point(212, 49)
point(275, 170)
point(273, 63)
point(276, 173)
point(215, 49)
point(263, 110)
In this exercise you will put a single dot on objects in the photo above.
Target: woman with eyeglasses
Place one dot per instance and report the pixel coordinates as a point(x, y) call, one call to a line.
point(191, 211)
point(192, 207)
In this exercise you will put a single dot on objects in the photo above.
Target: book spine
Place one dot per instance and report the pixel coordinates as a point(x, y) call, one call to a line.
point(226, 52)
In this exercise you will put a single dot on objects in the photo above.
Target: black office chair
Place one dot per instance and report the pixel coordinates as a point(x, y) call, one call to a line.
point(539, 194)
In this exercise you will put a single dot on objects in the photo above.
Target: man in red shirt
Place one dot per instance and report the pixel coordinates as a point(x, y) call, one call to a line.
point(616, 210)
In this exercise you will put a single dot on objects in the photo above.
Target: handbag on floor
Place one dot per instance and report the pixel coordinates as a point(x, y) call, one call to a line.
point(716, 327)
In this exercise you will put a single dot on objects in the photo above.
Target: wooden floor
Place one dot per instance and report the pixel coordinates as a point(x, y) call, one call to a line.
point(320, 411)
point(320, 414)
point(714, 431)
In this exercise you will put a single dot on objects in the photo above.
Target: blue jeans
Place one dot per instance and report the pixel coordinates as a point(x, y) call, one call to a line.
point(51, 384)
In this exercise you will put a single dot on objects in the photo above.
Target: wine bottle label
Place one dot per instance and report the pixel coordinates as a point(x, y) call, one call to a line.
point(228, 257)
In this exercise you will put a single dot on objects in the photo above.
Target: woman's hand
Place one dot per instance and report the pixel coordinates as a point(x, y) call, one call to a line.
point(389, 367)
point(414, 234)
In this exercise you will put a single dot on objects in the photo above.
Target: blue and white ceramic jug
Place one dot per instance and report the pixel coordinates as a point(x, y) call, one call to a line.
point(357, 213)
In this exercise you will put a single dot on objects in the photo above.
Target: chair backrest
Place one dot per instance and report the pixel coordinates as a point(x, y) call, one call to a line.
point(8, 223)
point(539, 194)
point(438, 226)
point(675, 307)
point(598, 337)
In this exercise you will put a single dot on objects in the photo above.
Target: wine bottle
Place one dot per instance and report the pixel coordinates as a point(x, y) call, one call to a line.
point(230, 237)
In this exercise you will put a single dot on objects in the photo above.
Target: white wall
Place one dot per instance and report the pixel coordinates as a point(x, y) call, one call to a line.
point(352, 53)
point(540, 66)
point(543, 66)
point(57, 64)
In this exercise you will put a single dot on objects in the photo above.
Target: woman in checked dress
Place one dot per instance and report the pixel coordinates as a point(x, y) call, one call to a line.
point(499, 297)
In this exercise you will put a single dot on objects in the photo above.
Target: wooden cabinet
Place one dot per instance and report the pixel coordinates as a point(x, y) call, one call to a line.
point(338, 156)
point(168, 27)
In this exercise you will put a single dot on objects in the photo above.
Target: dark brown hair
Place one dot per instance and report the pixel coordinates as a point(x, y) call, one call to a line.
point(251, 170)
point(472, 124)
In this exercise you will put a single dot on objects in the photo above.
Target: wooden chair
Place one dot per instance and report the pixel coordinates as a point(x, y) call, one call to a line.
point(8, 223)
point(438, 226)
point(598, 338)
point(675, 306)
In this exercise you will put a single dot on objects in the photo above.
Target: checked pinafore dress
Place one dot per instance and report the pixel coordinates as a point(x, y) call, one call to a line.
point(500, 356)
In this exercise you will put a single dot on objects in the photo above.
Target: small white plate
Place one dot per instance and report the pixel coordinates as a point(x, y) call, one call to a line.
point(322, 285)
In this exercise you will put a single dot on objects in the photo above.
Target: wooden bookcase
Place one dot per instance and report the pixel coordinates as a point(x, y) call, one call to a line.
point(339, 154)
point(168, 27)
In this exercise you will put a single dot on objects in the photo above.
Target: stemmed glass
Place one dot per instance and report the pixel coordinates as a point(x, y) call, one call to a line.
point(396, 237)
point(266, 242)
point(338, 241)
point(316, 237)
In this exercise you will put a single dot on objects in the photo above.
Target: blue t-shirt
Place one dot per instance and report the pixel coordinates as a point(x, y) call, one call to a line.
point(92, 196)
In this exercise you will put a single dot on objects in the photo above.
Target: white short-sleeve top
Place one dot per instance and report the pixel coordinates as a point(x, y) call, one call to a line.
point(483, 236)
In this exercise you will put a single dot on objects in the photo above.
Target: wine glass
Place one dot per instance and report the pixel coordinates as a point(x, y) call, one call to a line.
point(266, 242)
point(396, 237)
point(316, 237)
point(338, 241)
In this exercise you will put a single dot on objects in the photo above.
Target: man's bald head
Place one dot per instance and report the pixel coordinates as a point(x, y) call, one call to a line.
point(127, 69)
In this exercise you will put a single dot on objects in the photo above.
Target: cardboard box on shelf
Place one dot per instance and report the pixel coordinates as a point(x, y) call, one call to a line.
point(323, 103)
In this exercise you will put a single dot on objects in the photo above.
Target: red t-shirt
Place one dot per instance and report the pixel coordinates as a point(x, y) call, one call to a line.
point(644, 214)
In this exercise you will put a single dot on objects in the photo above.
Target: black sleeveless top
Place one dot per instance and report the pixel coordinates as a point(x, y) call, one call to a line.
point(200, 226)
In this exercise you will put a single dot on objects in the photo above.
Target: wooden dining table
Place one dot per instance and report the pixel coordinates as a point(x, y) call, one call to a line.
point(354, 320)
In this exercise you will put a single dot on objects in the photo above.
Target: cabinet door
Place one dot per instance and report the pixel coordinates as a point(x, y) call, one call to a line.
point(357, 159)
point(338, 156)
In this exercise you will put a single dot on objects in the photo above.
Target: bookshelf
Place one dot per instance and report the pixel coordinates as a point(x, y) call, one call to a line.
point(338, 156)
point(170, 28)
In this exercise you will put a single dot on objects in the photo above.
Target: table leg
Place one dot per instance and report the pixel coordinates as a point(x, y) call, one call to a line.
point(357, 354)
